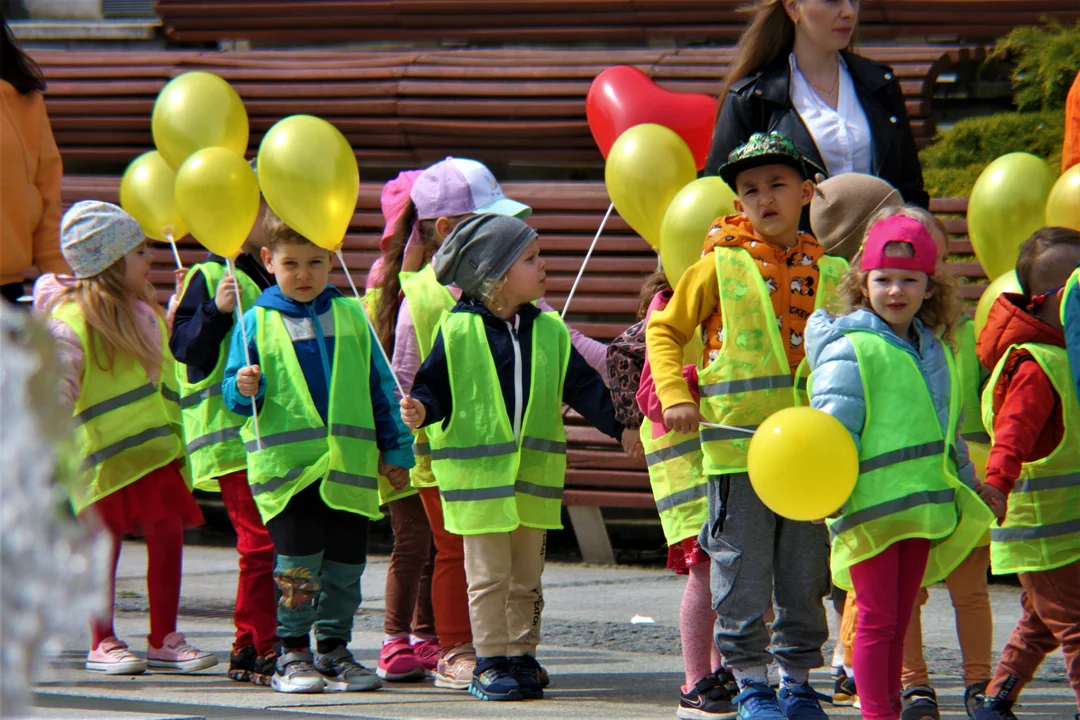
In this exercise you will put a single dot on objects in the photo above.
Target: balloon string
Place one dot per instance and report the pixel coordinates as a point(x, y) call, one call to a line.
point(566, 307)
point(175, 252)
point(382, 350)
point(718, 426)
point(247, 350)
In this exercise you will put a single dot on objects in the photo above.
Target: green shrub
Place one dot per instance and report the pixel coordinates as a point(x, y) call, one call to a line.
point(1046, 59)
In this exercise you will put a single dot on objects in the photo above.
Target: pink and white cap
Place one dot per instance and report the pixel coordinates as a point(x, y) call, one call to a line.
point(901, 229)
point(457, 186)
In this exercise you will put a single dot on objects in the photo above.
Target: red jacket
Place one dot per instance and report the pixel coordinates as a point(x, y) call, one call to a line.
point(1028, 424)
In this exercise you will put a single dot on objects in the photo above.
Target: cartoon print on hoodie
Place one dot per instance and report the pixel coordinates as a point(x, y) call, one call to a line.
point(803, 286)
point(801, 260)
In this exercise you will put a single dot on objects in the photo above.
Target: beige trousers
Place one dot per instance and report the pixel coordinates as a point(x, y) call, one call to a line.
point(505, 597)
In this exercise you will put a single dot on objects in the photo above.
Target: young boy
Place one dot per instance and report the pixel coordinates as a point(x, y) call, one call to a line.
point(751, 295)
point(1031, 409)
point(326, 429)
point(199, 341)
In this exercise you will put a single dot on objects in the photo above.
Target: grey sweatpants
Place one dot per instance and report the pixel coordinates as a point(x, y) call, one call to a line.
point(761, 559)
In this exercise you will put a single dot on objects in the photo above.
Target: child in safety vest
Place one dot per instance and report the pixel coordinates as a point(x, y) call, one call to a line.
point(490, 395)
point(199, 340)
point(882, 370)
point(119, 378)
point(1031, 410)
point(750, 294)
point(408, 308)
point(326, 429)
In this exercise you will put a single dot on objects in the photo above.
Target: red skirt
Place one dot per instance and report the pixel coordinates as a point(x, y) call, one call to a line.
point(682, 555)
point(159, 496)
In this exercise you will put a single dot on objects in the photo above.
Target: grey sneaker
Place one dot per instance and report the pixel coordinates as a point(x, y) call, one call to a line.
point(343, 674)
point(295, 673)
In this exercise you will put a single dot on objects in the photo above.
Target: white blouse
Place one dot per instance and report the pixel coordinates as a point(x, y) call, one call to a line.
point(842, 135)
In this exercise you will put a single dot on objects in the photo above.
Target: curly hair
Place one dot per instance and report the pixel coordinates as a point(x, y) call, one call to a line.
point(657, 282)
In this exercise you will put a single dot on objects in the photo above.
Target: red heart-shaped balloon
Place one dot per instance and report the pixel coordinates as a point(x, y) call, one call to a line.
point(623, 96)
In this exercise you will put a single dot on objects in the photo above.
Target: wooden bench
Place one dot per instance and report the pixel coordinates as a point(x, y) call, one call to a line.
point(567, 21)
point(599, 474)
point(409, 109)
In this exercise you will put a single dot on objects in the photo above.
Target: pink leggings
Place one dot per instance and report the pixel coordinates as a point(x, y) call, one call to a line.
point(885, 589)
point(697, 621)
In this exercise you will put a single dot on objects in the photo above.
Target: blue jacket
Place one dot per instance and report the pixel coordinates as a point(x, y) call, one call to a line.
point(837, 388)
point(316, 356)
point(1072, 335)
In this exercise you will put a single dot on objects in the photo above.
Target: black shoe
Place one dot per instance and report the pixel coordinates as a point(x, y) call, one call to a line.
point(265, 666)
point(492, 680)
point(844, 691)
point(920, 703)
point(994, 710)
point(974, 695)
point(526, 670)
point(710, 698)
point(242, 663)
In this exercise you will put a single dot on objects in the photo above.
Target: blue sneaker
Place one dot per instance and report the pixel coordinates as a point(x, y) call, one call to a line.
point(994, 710)
point(757, 701)
point(801, 702)
point(526, 671)
point(492, 680)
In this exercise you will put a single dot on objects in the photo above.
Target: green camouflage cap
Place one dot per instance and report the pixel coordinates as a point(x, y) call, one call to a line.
point(763, 149)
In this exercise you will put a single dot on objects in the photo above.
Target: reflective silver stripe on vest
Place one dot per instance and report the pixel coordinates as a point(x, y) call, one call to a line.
point(290, 436)
point(421, 449)
point(472, 453)
point(353, 431)
point(119, 401)
point(682, 497)
point(549, 446)
point(126, 444)
point(169, 394)
point(213, 438)
point(496, 493)
point(276, 483)
point(1041, 532)
point(664, 454)
point(895, 457)
point(357, 481)
point(732, 387)
point(540, 491)
point(803, 383)
point(977, 436)
point(709, 434)
point(891, 507)
point(200, 396)
point(301, 329)
point(1053, 482)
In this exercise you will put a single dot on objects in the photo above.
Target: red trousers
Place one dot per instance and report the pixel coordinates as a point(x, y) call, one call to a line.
point(255, 615)
point(449, 588)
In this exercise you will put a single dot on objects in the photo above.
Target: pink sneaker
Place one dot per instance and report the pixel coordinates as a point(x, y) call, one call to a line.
point(427, 652)
point(112, 657)
point(176, 654)
point(397, 663)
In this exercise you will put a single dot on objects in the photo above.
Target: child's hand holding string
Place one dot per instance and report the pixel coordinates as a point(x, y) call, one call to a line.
point(682, 418)
point(225, 295)
point(413, 412)
point(247, 380)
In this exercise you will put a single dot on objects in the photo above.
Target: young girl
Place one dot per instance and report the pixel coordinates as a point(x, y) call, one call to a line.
point(119, 379)
point(883, 371)
point(679, 486)
point(491, 393)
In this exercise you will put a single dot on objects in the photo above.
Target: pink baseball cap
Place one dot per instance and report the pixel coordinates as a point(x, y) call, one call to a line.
point(457, 186)
point(394, 199)
point(902, 229)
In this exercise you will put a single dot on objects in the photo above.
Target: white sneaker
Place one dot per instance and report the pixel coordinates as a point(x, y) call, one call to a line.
point(296, 673)
point(112, 657)
point(175, 654)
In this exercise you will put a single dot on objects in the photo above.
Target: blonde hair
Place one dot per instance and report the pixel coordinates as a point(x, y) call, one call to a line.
point(491, 294)
point(107, 307)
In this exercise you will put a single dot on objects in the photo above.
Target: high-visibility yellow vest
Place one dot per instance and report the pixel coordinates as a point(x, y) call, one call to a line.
point(298, 448)
point(970, 382)
point(211, 430)
point(908, 486)
point(1071, 286)
point(750, 378)
point(125, 426)
point(1041, 530)
point(679, 486)
point(491, 479)
point(832, 271)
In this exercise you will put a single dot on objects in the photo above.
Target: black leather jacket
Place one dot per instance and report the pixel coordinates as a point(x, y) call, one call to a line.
point(762, 103)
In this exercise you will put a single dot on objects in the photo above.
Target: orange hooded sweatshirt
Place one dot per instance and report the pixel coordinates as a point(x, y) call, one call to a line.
point(791, 275)
point(30, 176)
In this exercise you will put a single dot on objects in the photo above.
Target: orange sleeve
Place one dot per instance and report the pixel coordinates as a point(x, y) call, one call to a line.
point(1070, 154)
point(50, 176)
point(696, 298)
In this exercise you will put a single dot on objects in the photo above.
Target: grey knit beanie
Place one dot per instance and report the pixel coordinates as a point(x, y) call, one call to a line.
point(480, 250)
point(842, 206)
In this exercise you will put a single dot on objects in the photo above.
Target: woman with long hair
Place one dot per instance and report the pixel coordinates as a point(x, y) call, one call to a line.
point(796, 74)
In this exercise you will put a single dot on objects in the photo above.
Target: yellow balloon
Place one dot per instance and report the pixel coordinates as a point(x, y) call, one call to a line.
point(647, 167)
point(687, 221)
point(309, 177)
point(802, 463)
point(1007, 283)
point(198, 110)
point(218, 197)
point(1007, 204)
point(1063, 205)
point(979, 454)
point(147, 193)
